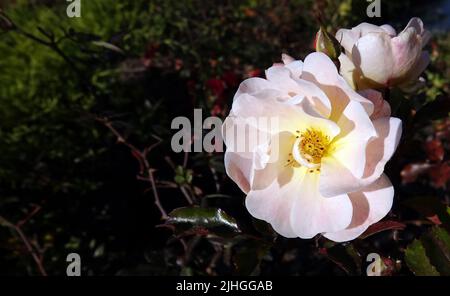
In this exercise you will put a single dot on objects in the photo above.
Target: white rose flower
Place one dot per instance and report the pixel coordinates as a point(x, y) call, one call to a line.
point(320, 169)
point(376, 57)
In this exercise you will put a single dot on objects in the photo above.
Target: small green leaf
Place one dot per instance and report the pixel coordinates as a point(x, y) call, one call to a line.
point(437, 245)
point(418, 261)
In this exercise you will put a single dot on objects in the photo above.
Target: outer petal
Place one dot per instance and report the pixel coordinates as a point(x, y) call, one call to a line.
point(369, 207)
point(347, 38)
point(274, 203)
point(381, 106)
point(380, 149)
point(337, 179)
point(366, 28)
point(388, 29)
point(312, 213)
point(239, 169)
point(372, 54)
point(406, 50)
point(349, 147)
point(347, 70)
point(320, 70)
point(294, 66)
point(420, 66)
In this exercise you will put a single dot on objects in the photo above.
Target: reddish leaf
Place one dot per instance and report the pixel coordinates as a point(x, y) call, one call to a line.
point(382, 226)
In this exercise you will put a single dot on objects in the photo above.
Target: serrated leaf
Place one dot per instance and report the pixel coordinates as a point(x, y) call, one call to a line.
point(437, 245)
point(344, 257)
point(418, 261)
point(213, 219)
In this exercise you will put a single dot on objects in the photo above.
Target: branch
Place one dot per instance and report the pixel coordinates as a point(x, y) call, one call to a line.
point(142, 158)
point(17, 228)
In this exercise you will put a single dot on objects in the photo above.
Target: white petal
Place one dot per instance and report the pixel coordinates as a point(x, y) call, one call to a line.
point(337, 179)
point(274, 203)
point(312, 213)
point(381, 106)
point(239, 169)
point(372, 54)
point(380, 149)
point(388, 29)
point(347, 38)
point(287, 59)
point(349, 148)
point(347, 70)
point(369, 207)
point(406, 50)
point(320, 70)
point(281, 77)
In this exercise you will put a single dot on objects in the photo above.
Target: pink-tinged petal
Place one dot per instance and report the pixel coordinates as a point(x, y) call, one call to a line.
point(320, 70)
point(380, 149)
point(372, 55)
point(366, 28)
point(317, 99)
point(420, 66)
point(281, 77)
point(296, 68)
point(388, 29)
point(369, 206)
point(426, 36)
point(274, 203)
point(347, 38)
point(287, 59)
point(239, 169)
point(336, 178)
point(415, 23)
point(253, 85)
point(349, 147)
point(311, 213)
point(381, 106)
point(406, 51)
point(264, 107)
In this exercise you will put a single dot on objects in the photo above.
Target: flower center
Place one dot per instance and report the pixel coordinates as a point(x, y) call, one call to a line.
point(310, 147)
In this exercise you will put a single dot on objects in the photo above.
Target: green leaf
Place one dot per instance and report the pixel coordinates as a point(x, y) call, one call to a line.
point(437, 245)
point(346, 257)
point(418, 261)
point(213, 219)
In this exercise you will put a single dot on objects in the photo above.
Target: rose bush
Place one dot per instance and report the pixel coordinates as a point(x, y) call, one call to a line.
point(376, 57)
point(320, 169)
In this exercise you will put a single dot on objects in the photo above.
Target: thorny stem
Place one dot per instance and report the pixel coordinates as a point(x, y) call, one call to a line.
point(142, 158)
point(17, 228)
